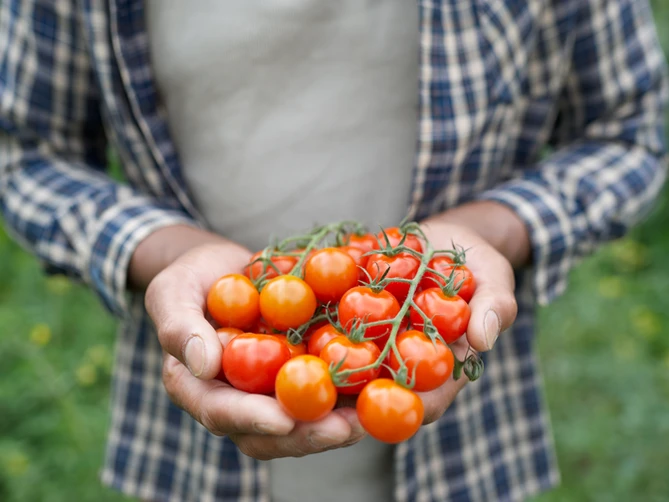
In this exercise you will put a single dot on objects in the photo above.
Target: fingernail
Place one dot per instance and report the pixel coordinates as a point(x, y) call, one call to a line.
point(194, 355)
point(320, 440)
point(491, 327)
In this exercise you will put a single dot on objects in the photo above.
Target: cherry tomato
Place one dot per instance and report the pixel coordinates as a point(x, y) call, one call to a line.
point(256, 270)
point(251, 362)
point(362, 304)
point(431, 362)
point(225, 335)
point(262, 327)
point(311, 330)
point(321, 338)
point(395, 235)
point(287, 302)
point(366, 242)
point(444, 265)
point(389, 412)
point(401, 265)
point(360, 260)
point(354, 355)
point(330, 272)
point(297, 349)
point(304, 388)
point(233, 302)
point(449, 314)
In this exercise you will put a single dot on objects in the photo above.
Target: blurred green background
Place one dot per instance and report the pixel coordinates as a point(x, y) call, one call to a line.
point(604, 347)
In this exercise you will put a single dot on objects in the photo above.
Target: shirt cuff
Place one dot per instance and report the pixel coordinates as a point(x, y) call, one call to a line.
point(551, 231)
point(119, 231)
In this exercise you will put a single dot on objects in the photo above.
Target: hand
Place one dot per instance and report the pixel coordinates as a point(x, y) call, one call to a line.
point(175, 300)
point(493, 237)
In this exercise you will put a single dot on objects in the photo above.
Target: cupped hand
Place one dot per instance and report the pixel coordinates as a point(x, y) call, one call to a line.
point(493, 306)
point(175, 300)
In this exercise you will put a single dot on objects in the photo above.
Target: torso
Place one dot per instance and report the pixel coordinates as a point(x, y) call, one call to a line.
point(287, 114)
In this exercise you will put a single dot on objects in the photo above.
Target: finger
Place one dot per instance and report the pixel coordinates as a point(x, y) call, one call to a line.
point(175, 302)
point(338, 429)
point(493, 306)
point(437, 401)
point(222, 409)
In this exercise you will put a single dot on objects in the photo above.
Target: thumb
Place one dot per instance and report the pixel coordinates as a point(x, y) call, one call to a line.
point(176, 307)
point(493, 306)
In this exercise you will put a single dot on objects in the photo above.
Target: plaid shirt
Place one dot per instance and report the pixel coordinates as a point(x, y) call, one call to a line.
point(500, 81)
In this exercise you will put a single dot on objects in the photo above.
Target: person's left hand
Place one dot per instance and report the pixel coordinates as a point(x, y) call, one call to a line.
point(493, 306)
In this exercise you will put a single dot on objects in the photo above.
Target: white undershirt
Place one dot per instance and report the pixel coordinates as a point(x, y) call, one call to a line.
point(287, 113)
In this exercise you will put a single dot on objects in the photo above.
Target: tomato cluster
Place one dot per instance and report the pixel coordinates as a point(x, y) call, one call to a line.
point(340, 311)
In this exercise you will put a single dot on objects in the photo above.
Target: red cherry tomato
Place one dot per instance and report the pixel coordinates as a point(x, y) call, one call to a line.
point(362, 304)
point(225, 335)
point(304, 388)
point(287, 302)
point(449, 314)
point(401, 265)
point(321, 338)
point(388, 411)
point(330, 272)
point(312, 329)
point(251, 362)
point(233, 302)
point(395, 235)
point(360, 259)
point(444, 265)
point(431, 363)
point(297, 349)
point(366, 242)
point(255, 269)
point(354, 356)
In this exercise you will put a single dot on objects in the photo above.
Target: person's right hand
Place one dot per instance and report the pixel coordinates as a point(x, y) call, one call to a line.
point(175, 300)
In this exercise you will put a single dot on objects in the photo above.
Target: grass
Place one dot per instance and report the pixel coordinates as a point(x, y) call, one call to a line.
point(603, 345)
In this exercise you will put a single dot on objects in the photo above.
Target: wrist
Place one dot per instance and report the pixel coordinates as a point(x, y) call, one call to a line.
point(497, 224)
point(162, 247)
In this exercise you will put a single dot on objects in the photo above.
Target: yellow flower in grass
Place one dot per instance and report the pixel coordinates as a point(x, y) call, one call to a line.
point(16, 463)
point(645, 322)
point(99, 356)
point(58, 285)
point(611, 287)
point(87, 375)
point(40, 335)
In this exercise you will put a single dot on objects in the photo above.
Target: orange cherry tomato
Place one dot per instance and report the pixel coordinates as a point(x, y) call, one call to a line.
point(255, 269)
point(304, 388)
point(330, 272)
point(233, 302)
point(389, 412)
point(287, 302)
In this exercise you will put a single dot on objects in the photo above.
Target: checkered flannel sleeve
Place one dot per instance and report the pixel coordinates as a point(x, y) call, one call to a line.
point(608, 164)
point(54, 195)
